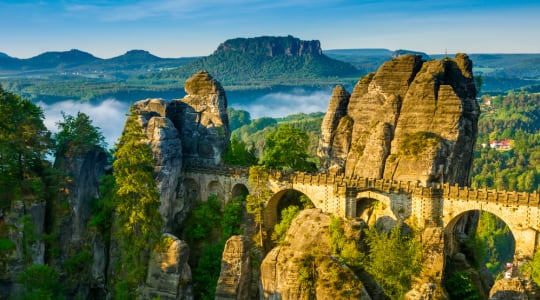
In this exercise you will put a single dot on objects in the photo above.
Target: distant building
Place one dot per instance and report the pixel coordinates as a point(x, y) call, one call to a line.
point(501, 144)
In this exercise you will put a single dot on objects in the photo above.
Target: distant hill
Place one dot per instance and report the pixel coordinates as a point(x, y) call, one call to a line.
point(268, 61)
point(74, 61)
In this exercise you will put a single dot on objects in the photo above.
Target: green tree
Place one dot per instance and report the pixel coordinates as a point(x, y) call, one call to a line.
point(40, 282)
point(393, 259)
point(255, 202)
point(136, 201)
point(77, 135)
point(286, 148)
point(238, 118)
point(24, 144)
point(280, 229)
point(238, 154)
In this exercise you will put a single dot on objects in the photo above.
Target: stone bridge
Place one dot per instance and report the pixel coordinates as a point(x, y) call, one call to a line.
point(437, 206)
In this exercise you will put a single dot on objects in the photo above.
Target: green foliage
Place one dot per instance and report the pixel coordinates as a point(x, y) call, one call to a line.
point(492, 244)
point(103, 207)
point(238, 154)
point(460, 286)
point(337, 234)
point(232, 218)
point(344, 247)
point(286, 148)
point(24, 144)
point(78, 263)
point(199, 227)
point(307, 273)
point(393, 260)
point(77, 135)
point(206, 274)
point(280, 229)
point(40, 282)
point(515, 116)
point(255, 202)
point(203, 218)
point(238, 118)
point(532, 268)
point(6, 245)
point(136, 202)
point(414, 144)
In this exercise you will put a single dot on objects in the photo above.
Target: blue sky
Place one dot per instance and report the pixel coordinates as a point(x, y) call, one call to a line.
point(182, 28)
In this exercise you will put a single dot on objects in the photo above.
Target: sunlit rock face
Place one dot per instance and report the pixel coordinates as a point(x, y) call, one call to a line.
point(191, 130)
point(169, 275)
point(303, 267)
point(412, 120)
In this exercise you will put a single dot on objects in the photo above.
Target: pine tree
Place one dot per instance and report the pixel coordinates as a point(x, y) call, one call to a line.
point(255, 202)
point(137, 202)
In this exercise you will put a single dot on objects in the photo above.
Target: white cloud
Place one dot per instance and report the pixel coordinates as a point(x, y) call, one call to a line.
point(282, 104)
point(109, 116)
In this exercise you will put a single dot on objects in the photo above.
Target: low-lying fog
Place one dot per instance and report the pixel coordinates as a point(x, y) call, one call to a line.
point(110, 115)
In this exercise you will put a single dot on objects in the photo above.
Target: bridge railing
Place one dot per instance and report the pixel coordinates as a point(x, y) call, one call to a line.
point(450, 192)
point(508, 198)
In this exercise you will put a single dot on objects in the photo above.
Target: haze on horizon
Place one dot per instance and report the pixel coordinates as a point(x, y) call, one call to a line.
point(170, 28)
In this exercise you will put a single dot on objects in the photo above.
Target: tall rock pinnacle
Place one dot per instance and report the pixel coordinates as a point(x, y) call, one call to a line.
point(411, 120)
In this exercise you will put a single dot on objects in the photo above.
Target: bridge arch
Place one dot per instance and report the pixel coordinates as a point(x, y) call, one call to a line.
point(215, 188)
point(280, 201)
point(238, 190)
point(372, 205)
point(525, 237)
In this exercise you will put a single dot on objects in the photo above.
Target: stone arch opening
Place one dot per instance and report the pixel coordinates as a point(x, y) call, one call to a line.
point(239, 190)
point(281, 200)
point(215, 188)
point(378, 210)
point(481, 244)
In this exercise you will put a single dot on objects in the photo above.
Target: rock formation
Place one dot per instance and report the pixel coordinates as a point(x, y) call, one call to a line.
point(514, 289)
point(235, 277)
point(271, 46)
point(411, 120)
point(82, 169)
point(306, 252)
point(193, 130)
point(169, 275)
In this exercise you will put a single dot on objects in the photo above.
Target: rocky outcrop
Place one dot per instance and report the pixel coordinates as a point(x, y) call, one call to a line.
point(337, 109)
point(169, 275)
point(427, 284)
point(192, 130)
point(166, 145)
point(271, 46)
point(411, 120)
point(303, 267)
point(83, 169)
point(514, 289)
point(201, 119)
point(235, 277)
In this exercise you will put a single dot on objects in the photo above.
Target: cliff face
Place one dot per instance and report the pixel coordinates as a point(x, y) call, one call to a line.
point(271, 46)
point(303, 267)
point(192, 130)
point(411, 120)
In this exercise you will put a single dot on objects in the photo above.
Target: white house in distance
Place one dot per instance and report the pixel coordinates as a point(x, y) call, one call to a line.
point(501, 144)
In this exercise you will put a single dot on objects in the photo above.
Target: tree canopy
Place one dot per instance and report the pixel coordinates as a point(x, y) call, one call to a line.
point(24, 144)
point(136, 202)
point(77, 134)
point(286, 148)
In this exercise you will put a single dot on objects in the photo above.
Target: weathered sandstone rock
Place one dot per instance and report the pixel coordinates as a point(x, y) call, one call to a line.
point(411, 120)
point(192, 130)
point(169, 275)
point(306, 251)
point(235, 277)
point(514, 289)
